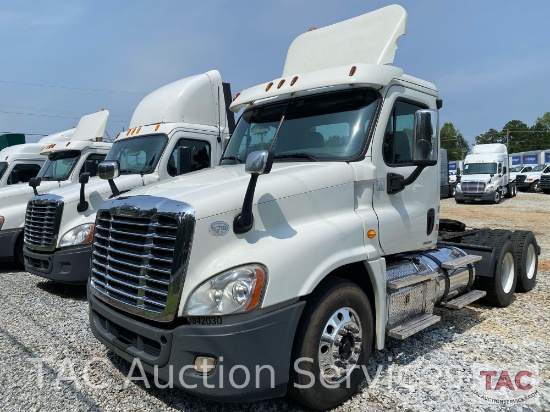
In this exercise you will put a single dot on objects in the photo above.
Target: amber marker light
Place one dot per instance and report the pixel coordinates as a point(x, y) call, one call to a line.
point(268, 86)
point(157, 127)
point(68, 143)
point(281, 83)
point(128, 132)
point(294, 80)
point(371, 234)
point(260, 275)
point(236, 96)
point(352, 71)
point(138, 130)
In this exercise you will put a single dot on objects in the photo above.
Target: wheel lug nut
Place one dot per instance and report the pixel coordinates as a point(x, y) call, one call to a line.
point(341, 332)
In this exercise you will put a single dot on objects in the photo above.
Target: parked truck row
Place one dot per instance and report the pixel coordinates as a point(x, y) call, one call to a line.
point(289, 251)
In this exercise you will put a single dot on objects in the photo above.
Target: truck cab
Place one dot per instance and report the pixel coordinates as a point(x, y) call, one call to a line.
point(515, 170)
point(180, 128)
point(486, 176)
point(531, 180)
point(20, 163)
point(316, 237)
point(66, 156)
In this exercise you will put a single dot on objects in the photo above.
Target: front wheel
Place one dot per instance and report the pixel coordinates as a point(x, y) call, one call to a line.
point(453, 191)
point(496, 200)
point(535, 187)
point(334, 339)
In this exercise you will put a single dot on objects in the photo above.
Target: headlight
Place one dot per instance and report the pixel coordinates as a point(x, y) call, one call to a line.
point(1, 221)
point(237, 290)
point(78, 235)
point(489, 188)
point(458, 188)
point(530, 179)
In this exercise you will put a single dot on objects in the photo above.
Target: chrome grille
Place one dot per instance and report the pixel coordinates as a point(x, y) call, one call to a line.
point(139, 256)
point(42, 222)
point(545, 181)
point(472, 187)
point(520, 178)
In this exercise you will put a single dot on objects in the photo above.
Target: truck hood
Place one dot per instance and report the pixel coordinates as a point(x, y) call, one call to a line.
point(477, 178)
point(222, 189)
point(97, 190)
point(532, 175)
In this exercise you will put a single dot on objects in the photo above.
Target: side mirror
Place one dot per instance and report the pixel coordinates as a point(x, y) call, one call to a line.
point(425, 145)
point(184, 160)
point(84, 178)
point(34, 182)
point(109, 169)
point(257, 163)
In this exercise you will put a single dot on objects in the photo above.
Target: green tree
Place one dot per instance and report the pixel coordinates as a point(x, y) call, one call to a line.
point(519, 136)
point(541, 132)
point(454, 142)
point(492, 136)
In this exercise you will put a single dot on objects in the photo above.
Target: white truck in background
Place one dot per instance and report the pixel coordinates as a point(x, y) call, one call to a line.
point(316, 237)
point(67, 155)
point(179, 128)
point(516, 170)
point(486, 175)
point(530, 181)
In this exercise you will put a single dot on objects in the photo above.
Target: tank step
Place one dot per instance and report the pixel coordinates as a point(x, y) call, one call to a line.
point(465, 299)
point(415, 325)
point(460, 262)
point(405, 281)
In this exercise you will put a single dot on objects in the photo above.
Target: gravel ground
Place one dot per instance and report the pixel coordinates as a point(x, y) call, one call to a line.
point(46, 324)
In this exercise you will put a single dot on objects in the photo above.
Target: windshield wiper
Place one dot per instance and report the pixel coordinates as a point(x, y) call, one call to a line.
point(296, 156)
point(235, 158)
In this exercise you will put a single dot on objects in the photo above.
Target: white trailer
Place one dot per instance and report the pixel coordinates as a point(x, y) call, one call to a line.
point(179, 128)
point(316, 238)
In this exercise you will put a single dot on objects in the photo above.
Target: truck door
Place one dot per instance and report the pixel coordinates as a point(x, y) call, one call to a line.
point(408, 219)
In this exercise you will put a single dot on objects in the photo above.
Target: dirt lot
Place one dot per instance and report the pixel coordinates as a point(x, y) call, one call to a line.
point(526, 211)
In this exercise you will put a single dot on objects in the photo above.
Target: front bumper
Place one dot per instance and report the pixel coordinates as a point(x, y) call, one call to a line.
point(260, 345)
point(7, 243)
point(70, 266)
point(479, 197)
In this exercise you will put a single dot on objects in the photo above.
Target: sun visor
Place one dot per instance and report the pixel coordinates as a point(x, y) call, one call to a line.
point(91, 126)
point(370, 38)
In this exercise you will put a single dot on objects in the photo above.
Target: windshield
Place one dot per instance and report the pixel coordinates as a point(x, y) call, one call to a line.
point(515, 169)
point(138, 155)
point(538, 168)
point(480, 168)
point(331, 126)
point(59, 165)
point(3, 167)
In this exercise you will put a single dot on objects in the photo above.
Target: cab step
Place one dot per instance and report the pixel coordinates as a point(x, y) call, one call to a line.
point(465, 299)
point(405, 281)
point(461, 262)
point(414, 325)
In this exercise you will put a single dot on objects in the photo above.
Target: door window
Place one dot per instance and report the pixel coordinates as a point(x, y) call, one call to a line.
point(200, 155)
point(91, 164)
point(398, 139)
point(22, 173)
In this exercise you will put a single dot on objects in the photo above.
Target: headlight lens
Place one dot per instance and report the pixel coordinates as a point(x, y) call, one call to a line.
point(1, 221)
point(79, 235)
point(530, 179)
point(237, 290)
point(489, 188)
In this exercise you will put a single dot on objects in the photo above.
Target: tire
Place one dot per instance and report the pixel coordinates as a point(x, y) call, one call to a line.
point(496, 201)
point(453, 191)
point(535, 187)
point(18, 252)
point(515, 191)
point(500, 288)
point(546, 191)
point(510, 191)
point(527, 259)
point(459, 201)
point(345, 305)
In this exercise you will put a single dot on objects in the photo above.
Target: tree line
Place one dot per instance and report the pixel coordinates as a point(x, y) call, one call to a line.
point(519, 136)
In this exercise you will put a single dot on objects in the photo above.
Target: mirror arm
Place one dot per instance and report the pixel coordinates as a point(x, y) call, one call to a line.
point(113, 187)
point(243, 221)
point(82, 205)
point(396, 182)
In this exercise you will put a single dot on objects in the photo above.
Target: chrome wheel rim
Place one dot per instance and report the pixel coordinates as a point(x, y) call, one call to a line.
point(340, 345)
point(531, 261)
point(508, 273)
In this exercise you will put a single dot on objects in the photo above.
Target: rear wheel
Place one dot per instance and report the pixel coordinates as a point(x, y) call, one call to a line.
point(334, 338)
point(526, 247)
point(500, 288)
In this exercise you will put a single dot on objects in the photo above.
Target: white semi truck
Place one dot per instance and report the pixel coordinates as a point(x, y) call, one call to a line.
point(316, 238)
point(66, 156)
point(486, 175)
point(179, 128)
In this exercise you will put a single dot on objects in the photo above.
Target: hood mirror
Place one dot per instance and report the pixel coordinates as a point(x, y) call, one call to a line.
point(34, 182)
point(109, 170)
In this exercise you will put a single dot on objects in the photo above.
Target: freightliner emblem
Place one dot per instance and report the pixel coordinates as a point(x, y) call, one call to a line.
point(219, 228)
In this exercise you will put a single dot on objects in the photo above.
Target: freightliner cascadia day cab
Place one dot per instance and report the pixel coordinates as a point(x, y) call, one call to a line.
point(176, 129)
point(316, 237)
point(486, 175)
point(18, 164)
point(67, 155)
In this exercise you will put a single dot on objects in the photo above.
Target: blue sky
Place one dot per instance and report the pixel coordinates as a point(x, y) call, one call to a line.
point(489, 59)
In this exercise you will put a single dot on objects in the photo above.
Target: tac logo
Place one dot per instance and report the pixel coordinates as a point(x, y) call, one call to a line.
point(505, 385)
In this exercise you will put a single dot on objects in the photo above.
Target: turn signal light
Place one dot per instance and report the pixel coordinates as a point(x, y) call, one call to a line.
point(371, 234)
